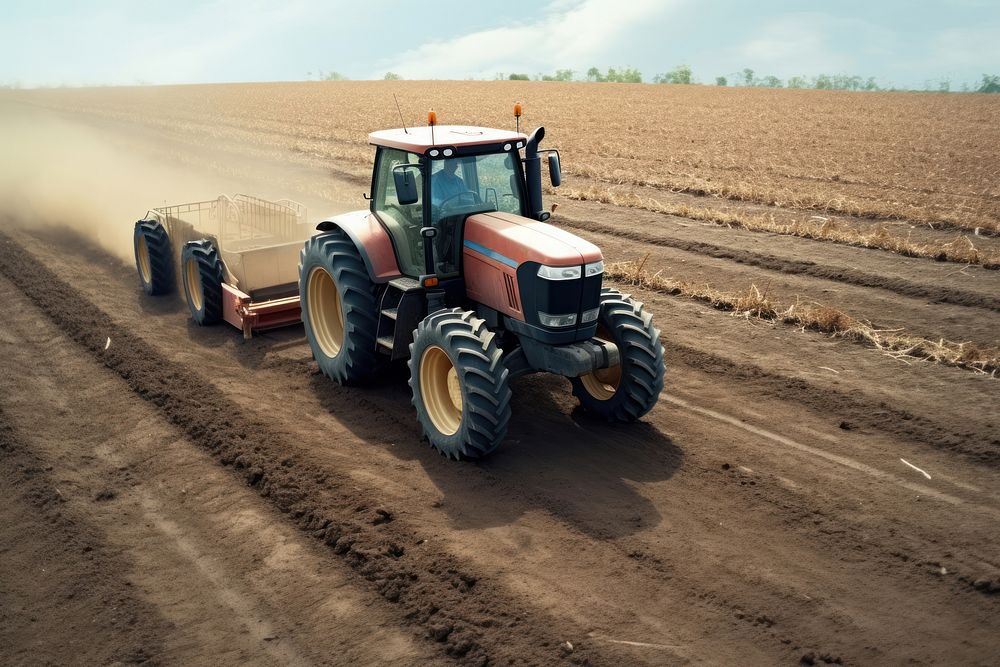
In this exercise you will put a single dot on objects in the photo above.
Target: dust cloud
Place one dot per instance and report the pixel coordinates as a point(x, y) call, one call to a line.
point(57, 173)
point(61, 173)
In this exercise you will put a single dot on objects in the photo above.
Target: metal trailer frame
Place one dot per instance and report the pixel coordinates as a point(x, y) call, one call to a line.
point(258, 242)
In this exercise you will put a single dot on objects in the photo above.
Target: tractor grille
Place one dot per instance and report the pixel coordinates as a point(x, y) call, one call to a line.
point(508, 282)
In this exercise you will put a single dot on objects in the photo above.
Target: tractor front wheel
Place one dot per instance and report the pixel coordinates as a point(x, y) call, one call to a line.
point(459, 384)
point(153, 257)
point(625, 392)
point(339, 310)
point(201, 268)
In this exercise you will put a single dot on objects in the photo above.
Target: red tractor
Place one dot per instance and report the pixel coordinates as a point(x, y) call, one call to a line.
point(454, 268)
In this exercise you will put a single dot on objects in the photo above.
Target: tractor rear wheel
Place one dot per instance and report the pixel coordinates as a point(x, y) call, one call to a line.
point(625, 392)
point(459, 384)
point(201, 268)
point(153, 257)
point(339, 309)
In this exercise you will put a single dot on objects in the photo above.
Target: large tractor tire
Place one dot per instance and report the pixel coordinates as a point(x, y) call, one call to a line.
point(459, 384)
point(339, 309)
point(202, 271)
point(154, 258)
point(625, 392)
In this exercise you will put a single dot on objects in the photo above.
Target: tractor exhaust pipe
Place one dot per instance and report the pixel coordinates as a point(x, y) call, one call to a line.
point(533, 175)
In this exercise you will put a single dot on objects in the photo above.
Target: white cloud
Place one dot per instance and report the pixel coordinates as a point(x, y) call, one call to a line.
point(569, 33)
point(122, 43)
point(967, 47)
point(813, 43)
point(213, 33)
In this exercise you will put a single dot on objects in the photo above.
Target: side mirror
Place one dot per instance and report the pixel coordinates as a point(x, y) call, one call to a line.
point(555, 174)
point(406, 185)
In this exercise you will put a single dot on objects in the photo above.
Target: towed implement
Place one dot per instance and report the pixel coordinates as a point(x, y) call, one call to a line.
point(234, 257)
point(454, 270)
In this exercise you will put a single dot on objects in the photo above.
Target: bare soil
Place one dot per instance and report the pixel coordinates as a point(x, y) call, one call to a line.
point(174, 495)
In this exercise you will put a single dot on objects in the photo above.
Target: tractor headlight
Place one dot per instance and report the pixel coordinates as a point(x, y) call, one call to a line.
point(559, 272)
point(594, 268)
point(590, 315)
point(556, 320)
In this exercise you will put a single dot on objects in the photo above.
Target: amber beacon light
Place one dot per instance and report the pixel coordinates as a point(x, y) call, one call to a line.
point(432, 120)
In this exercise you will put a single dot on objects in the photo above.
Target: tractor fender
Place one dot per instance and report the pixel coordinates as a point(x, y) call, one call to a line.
point(372, 241)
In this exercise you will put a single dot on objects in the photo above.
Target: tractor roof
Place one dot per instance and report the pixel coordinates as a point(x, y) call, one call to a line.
point(418, 139)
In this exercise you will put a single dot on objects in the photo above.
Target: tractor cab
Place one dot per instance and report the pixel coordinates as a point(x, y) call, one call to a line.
point(434, 178)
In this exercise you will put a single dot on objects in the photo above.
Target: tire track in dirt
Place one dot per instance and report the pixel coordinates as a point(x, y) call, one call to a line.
point(797, 267)
point(78, 575)
point(473, 620)
point(853, 411)
point(234, 580)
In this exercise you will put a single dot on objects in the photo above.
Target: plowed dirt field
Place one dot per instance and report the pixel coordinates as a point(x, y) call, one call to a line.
point(171, 494)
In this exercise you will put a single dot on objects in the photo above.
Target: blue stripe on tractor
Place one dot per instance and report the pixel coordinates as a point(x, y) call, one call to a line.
point(492, 254)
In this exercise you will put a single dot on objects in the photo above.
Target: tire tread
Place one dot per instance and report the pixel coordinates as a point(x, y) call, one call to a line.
point(358, 357)
point(642, 360)
point(161, 260)
point(486, 414)
point(211, 272)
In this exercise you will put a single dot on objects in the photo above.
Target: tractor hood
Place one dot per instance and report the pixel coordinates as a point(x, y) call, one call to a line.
point(513, 240)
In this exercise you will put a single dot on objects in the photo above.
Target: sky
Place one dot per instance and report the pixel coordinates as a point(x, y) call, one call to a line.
point(902, 43)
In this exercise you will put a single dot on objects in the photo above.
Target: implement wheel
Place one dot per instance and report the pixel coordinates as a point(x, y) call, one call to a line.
point(339, 310)
point(153, 257)
point(202, 272)
point(625, 392)
point(459, 384)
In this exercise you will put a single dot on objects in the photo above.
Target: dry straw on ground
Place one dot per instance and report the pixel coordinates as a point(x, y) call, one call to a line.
point(752, 303)
point(812, 197)
point(961, 249)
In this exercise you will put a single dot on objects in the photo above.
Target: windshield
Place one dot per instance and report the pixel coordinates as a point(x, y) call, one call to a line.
point(482, 182)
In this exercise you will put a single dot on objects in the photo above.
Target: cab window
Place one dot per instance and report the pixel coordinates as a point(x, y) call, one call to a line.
point(498, 182)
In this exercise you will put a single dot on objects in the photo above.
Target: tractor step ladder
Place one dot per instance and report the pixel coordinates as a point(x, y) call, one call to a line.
point(401, 308)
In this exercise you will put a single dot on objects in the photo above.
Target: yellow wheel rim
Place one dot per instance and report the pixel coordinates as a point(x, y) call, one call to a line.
point(603, 383)
point(441, 390)
point(193, 282)
point(326, 316)
point(142, 254)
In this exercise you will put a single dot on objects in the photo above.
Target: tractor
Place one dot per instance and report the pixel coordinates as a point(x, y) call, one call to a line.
point(454, 269)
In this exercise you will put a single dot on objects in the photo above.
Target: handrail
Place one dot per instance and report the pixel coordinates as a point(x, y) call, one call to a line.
point(239, 217)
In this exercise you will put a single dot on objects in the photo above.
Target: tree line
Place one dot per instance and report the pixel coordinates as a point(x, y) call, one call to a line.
point(683, 74)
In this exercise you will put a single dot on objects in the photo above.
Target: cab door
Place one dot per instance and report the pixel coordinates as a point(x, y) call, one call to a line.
point(402, 221)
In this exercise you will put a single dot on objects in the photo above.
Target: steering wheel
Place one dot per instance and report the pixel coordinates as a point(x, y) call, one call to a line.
point(473, 196)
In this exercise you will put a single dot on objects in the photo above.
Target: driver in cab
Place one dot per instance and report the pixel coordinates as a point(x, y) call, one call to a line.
point(447, 184)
